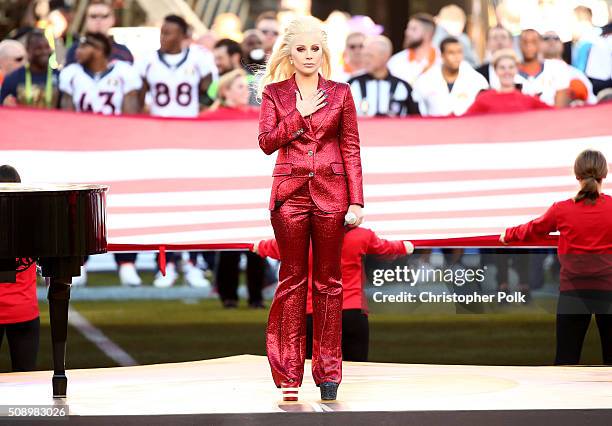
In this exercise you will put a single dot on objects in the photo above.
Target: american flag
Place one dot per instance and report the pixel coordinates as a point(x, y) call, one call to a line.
point(207, 181)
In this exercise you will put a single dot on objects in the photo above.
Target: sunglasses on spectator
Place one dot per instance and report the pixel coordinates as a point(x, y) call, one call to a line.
point(100, 16)
point(355, 46)
point(266, 32)
point(551, 38)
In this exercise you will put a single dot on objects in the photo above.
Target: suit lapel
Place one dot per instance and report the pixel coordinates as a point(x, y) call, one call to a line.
point(287, 94)
point(318, 118)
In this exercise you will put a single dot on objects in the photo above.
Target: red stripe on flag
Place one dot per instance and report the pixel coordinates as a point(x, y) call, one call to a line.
point(148, 230)
point(89, 132)
point(265, 182)
point(433, 231)
point(374, 198)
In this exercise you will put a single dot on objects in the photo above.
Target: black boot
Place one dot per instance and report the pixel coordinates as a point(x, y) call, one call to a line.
point(328, 391)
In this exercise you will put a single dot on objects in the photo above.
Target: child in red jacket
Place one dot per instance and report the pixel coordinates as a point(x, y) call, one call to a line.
point(19, 316)
point(584, 223)
point(355, 328)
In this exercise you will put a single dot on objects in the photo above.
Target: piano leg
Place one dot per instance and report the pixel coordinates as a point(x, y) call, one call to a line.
point(59, 299)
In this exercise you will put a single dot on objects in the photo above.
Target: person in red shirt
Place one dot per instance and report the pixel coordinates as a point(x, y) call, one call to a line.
point(355, 328)
point(507, 98)
point(19, 316)
point(584, 223)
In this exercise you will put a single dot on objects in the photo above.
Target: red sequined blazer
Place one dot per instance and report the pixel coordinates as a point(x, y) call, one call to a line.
point(322, 148)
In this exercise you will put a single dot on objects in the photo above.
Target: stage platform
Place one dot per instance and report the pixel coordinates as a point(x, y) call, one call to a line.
point(239, 390)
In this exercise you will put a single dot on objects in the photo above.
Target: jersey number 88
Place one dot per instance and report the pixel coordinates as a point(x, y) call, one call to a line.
point(162, 94)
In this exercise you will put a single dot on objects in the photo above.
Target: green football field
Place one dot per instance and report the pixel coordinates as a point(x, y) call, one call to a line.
point(175, 331)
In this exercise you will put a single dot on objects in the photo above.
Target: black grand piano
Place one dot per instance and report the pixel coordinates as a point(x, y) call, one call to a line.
point(56, 226)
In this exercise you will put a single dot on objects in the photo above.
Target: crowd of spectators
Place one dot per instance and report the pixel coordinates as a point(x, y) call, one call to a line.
point(432, 76)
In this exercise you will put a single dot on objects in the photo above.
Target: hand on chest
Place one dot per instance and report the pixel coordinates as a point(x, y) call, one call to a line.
point(324, 121)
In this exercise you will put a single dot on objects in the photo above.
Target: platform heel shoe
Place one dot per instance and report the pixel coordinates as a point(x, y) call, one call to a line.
point(289, 394)
point(329, 390)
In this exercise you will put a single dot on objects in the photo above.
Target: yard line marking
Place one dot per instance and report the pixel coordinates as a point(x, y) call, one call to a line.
point(325, 407)
point(95, 335)
point(315, 406)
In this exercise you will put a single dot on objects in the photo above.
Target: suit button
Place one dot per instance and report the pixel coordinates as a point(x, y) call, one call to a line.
point(310, 153)
point(311, 174)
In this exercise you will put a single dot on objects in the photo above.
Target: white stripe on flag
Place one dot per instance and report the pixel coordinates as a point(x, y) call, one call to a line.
point(465, 204)
point(250, 196)
point(80, 166)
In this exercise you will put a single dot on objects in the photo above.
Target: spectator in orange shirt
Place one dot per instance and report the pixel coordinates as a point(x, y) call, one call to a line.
point(358, 242)
point(419, 54)
point(580, 87)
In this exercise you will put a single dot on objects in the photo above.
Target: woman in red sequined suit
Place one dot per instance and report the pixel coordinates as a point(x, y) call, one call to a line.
point(312, 123)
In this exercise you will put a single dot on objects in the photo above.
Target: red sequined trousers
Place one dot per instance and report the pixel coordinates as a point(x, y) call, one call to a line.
point(295, 223)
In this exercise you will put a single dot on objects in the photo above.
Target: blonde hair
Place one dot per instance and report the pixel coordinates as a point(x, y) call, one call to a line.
point(504, 54)
point(278, 67)
point(225, 82)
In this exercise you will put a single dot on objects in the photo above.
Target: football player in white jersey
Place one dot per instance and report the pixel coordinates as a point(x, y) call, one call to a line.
point(175, 76)
point(92, 84)
point(547, 79)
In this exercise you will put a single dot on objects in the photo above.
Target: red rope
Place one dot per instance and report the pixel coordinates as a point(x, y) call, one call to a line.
point(482, 241)
point(180, 247)
point(162, 260)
